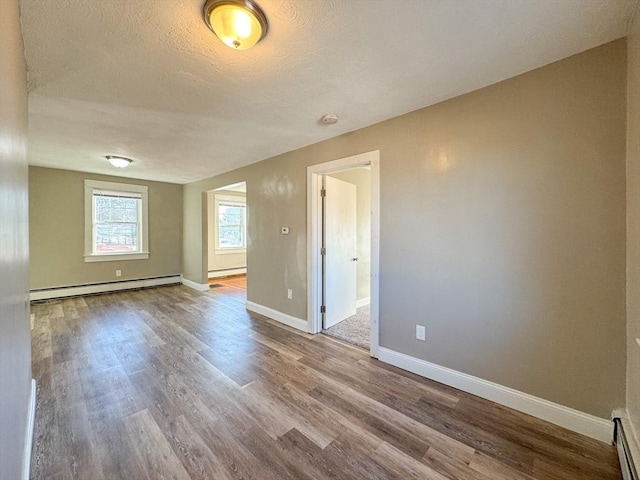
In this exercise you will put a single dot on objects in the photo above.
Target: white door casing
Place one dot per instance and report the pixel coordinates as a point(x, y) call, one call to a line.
point(340, 267)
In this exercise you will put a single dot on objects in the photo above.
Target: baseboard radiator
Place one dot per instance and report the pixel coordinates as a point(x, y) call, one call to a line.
point(227, 272)
point(104, 287)
point(627, 465)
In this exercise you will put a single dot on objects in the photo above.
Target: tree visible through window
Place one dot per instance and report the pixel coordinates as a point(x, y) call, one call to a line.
point(231, 225)
point(116, 222)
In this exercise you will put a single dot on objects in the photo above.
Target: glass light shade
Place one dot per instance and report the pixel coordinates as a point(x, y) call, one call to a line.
point(119, 162)
point(240, 24)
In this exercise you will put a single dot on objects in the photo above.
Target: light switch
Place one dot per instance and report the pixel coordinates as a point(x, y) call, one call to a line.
point(285, 230)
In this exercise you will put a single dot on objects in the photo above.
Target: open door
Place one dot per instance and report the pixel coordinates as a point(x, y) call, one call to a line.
point(339, 242)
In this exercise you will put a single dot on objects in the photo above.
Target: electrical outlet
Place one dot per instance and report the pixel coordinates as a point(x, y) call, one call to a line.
point(118, 273)
point(420, 333)
point(285, 230)
point(289, 294)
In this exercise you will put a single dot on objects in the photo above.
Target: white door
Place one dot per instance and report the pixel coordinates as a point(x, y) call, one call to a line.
point(340, 260)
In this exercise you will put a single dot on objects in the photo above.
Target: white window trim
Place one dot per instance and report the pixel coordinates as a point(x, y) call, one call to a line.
point(221, 198)
point(89, 187)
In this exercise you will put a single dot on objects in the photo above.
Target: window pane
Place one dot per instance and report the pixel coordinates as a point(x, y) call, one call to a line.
point(117, 215)
point(116, 237)
point(231, 236)
point(230, 215)
point(231, 226)
point(103, 213)
point(131, 215)
point(116, 221)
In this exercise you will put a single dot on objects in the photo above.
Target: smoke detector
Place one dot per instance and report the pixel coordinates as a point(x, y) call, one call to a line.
point(329, 119)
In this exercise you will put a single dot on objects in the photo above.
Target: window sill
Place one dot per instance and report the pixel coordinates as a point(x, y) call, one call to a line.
point(117, 257)
point(230, 251)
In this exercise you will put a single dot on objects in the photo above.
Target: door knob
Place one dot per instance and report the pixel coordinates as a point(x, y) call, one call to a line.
point(354, 259)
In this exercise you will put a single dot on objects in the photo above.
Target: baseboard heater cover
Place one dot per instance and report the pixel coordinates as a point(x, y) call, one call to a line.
point(87, 289)
point(627, 464)
point(227, 272)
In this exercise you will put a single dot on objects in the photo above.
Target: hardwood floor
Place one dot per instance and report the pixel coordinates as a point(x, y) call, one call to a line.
point(170, 383)
point(235, 284)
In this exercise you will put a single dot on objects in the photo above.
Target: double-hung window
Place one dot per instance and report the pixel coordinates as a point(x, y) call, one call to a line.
point(116, 224)
point(230, 224)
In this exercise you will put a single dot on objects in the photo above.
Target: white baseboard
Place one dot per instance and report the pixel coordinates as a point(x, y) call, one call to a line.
point(28, 439)
point(227, 273)
point(74, 291)
point(589, 425)
point(201, 287)
point(363, 301)
point(279, 316)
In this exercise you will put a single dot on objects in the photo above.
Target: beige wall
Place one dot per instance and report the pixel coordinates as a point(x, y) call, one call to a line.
point(276, 197)
point(633, 224)
point(15, 339)
point(223, 261)
point(361, 178)
point(502, 230)
point(56, 222)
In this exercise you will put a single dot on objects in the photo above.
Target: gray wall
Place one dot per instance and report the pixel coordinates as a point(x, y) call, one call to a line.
point(502, 230)
point(15, 339)
point(633, 224)
point(361, 178)
point(276, 197)
point(56, 221)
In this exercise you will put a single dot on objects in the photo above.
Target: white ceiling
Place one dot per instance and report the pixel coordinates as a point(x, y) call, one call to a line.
point(236, 187)
point(147, 79)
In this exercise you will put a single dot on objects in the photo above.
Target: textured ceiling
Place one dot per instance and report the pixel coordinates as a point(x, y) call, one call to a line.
point(147, 79)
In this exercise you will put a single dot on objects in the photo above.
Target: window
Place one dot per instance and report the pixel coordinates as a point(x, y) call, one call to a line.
point(230, 224)
point(116, 226)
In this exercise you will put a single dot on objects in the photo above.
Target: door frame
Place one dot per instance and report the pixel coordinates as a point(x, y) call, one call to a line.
point(209, 229)
point(314, 238)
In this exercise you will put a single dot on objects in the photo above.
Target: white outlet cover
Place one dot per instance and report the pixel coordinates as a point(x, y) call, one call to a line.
point(420, 333)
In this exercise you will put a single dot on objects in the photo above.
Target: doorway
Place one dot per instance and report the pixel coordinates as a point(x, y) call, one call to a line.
point(227, 239)
point(347, 259)
point(328, 288)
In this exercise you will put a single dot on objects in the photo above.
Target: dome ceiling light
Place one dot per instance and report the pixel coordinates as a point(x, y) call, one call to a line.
point(240, 24)
point(119, 162)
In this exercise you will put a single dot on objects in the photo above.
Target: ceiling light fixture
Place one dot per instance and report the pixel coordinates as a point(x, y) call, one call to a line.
point(240, 24)
point(119, 162)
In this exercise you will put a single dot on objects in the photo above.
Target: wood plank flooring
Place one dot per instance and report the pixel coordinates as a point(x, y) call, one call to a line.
point(170, 383)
